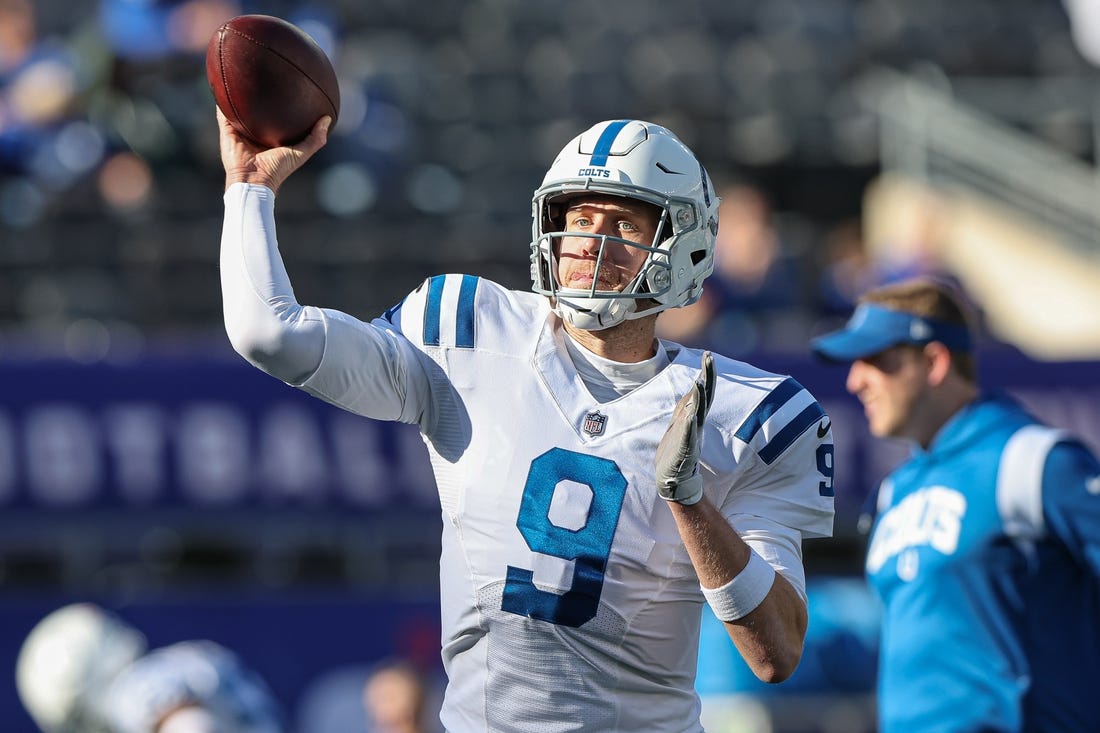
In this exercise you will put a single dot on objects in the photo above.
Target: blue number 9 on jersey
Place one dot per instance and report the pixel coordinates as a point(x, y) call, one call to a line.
point(588, 546)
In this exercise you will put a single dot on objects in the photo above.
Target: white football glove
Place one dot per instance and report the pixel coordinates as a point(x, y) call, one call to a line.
point(677, 459)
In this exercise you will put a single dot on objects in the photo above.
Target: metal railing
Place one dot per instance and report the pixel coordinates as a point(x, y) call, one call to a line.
point(928, 134)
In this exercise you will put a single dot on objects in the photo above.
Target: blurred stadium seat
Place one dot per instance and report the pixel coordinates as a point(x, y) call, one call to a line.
point(109, 193)
point(113, 355)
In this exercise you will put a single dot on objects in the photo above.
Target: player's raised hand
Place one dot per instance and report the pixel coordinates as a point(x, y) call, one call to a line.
point(677, 461)
point(246, 162)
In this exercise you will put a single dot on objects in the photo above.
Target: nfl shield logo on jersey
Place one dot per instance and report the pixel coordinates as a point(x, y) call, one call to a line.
point(594, 423)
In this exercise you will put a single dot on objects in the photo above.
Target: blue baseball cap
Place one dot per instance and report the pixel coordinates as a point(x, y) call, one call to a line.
point(874, 328)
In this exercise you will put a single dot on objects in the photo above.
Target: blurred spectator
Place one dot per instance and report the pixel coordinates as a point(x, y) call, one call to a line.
point(754, 278)
point(38, 87)
point(394, 695)
point(17, 32)
point(395, 699)
point(753, 272)
point(846, 269)
point(143, 30)
point(84, 669)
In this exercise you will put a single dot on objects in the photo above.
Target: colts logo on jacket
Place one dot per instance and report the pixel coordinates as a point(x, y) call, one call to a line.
point(930, 517)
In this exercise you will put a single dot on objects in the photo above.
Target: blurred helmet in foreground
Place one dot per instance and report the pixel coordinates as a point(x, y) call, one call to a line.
point(67, 662)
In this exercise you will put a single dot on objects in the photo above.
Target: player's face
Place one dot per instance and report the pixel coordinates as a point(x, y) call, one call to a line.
point(622, 218)
point(890, 385)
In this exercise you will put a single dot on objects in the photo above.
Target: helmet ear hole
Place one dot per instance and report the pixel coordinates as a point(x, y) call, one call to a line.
point(544, 272)
point(698, 256)
point(553, 219)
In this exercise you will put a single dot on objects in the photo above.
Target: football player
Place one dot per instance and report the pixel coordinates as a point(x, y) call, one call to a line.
point(597, 484)
point(82, 669)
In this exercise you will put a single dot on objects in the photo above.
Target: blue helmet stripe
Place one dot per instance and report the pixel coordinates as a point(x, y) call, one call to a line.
point(464, 326)
point(432, 310)
point(783, 439)
point(768, 407)
point(607, 139)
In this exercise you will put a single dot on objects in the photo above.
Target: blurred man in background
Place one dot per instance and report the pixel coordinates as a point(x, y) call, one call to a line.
point(596, 485)
point(986, 545)
point(395, 699)
point(83, 669)
point(755, 284)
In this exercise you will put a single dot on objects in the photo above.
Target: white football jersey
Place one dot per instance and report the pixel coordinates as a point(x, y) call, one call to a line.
point(568, 600)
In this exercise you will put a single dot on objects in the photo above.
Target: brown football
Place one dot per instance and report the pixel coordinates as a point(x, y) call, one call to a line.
point(270, 79)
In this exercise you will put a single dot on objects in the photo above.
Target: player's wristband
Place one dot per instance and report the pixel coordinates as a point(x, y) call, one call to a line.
point(745, 592)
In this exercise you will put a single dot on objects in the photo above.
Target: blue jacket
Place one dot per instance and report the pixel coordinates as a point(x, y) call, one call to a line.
point(986, 554)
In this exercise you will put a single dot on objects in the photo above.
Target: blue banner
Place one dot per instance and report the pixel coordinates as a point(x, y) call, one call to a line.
point(193, 433)
point(198, 433)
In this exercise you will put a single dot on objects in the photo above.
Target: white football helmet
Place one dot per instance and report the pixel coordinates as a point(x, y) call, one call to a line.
point(637, 160)
point(68, 661)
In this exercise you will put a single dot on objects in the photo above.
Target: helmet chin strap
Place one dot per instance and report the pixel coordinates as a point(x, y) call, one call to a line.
point(593, 314)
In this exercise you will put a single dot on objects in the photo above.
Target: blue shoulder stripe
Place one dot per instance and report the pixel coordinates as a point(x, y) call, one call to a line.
point(778, 397)
point(783, 439)
point(607, 139)
point(464, 326)
point(432, 310)
point(464, 317)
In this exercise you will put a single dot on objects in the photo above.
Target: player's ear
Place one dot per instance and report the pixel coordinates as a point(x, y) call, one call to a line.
point(938, 361)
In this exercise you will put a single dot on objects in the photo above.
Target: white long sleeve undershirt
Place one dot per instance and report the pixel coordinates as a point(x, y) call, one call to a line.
point(361, 367)
point(263, 319)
